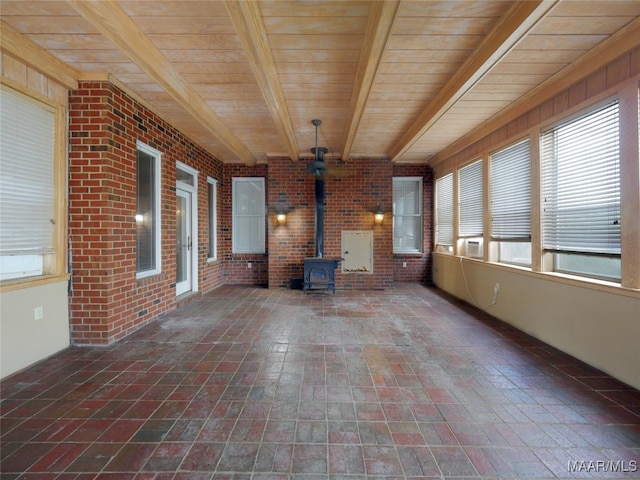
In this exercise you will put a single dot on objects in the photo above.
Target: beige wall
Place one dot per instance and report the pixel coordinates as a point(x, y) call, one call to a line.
point(24, 340)
point(599, 327)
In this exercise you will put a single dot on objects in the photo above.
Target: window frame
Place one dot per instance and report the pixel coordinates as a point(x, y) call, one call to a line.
point(442, 246)
point(54, 264)
point(212, 219)
point(156, 213)
point(419, 215)
point(572, 254)
point(259, 218)
point(512, 242)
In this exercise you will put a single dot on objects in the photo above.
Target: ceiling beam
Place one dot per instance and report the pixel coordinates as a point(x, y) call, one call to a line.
point(19, 46)
point(381, 18)
point(621, 42)
point(248, 24)
point(511, 28)
point(114, 23)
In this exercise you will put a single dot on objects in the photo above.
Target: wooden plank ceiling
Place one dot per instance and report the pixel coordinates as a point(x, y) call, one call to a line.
point(405, 80)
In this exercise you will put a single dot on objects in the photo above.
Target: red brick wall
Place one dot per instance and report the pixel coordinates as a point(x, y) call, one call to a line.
point(107, 302)
point(237, 271)
point(418, 266)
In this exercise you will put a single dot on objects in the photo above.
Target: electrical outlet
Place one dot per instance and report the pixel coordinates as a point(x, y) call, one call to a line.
point(404, 264)
point(249, 265)
point(38, 313)
point(496, 288)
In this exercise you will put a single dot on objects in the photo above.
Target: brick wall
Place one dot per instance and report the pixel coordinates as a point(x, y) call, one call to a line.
point(107, 301)
point(350, 200)
point(418, 266)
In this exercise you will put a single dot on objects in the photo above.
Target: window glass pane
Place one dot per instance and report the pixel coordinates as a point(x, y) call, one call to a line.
point(146, 212)
point(589, 265)
point(407, 214)
point(444, 210)
point(518, 253)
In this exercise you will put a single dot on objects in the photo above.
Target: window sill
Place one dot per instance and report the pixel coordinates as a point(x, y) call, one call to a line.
point(582, 282)
point(30, 282)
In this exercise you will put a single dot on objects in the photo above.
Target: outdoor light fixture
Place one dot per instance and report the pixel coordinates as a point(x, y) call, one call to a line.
point(378, 216)
point(281, 218)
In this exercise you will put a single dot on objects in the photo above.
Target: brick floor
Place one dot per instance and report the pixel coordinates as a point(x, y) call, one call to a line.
point(260, 384)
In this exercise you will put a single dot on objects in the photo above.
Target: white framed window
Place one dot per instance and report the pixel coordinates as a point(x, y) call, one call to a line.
point(407, 215)
point(27, 190)
point(444, 213)
point(510, 184)
point(212, 218)
point(148, 242)
point(580, 179)
point(470, 208)
point(248, 208)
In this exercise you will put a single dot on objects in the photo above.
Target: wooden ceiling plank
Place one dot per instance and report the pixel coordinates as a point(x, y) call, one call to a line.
point(249, 26)
point(19, 46)
point(381, 18)
point(511, 28)
point(623, 40)
point(113, 22)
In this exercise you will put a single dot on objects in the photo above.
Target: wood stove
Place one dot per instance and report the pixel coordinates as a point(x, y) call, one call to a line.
point(319, 273)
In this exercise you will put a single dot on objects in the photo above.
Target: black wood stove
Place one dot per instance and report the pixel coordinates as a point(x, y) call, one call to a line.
point(319, 272)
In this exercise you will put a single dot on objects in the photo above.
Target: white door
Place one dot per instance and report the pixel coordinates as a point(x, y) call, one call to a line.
point(184, 239)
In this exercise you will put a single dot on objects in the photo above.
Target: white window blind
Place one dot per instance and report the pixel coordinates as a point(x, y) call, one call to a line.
point(511, 193)
point(407, 214)
point(444, 210)
point(581, 184)
point(27, 132)
point(248, 215)
point(470, 200)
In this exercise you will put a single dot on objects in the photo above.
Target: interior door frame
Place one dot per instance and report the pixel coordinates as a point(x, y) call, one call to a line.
point(192, 189)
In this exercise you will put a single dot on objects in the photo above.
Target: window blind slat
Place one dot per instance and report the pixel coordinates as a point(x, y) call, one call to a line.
point(581, 184)
point(511, 192)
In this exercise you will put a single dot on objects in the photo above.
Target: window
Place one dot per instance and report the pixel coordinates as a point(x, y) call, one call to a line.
point(407, 215)
point(444, 213)
point(27, 190)
point(212, 227)
point(511, 203)
point(581, 193)
point(471, 208)
point(248, 207)
point(147, 211)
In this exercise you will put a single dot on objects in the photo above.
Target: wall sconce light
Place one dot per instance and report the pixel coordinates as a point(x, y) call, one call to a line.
point(281, 218)
point(378, 216)
point(139, 218)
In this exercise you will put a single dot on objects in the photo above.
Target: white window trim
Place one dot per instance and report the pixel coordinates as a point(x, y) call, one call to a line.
point(235, 181)
point(212, 227)
point(420, 215)
point(157, 155)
